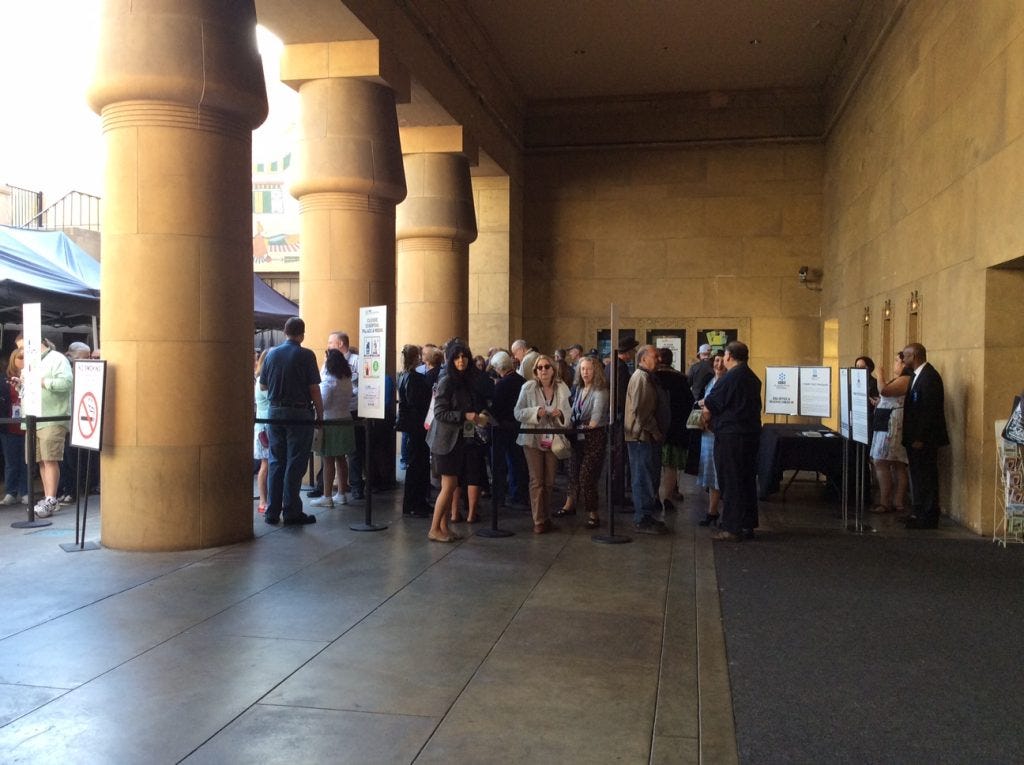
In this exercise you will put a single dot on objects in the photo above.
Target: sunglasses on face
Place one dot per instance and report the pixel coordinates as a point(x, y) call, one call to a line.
point(541, 367)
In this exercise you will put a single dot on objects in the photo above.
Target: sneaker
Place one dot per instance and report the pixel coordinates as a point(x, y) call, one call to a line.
point(9, 499)
point(322, 502)
point(67, 499)
point(24, 499)
point(340, 499)
point(46, 507)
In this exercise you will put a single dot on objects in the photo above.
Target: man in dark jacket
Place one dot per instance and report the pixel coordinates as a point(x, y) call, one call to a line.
point(623, 355)
point(508, 463)
point(924, 431)
point(733, 409)
point(413, 402)
point(674, 450)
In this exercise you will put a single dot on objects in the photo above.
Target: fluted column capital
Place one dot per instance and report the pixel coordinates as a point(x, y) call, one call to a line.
point(439, 204)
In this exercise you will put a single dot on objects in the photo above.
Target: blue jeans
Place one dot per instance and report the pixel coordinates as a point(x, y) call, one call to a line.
point(15, 469)
point(645, 476)
point(289, 456)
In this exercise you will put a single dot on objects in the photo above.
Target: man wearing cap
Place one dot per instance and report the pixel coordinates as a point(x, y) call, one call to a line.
point(67, 490)
point(700, 374)
point(624, 355)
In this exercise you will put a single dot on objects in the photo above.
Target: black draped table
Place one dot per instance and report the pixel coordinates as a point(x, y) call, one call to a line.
point(787, 447)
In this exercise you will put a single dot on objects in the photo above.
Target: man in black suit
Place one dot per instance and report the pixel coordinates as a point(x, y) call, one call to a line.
point(924, 431)
point(733, 410)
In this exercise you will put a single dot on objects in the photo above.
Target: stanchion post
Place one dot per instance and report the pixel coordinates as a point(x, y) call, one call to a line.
point(367, 524)
point(494, 532)
point(611, 538)
point(30, 449)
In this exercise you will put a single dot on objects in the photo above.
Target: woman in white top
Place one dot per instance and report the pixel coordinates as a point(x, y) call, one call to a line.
point(543, 402)
point(339, 439)
point(590, 413)
point(887, 449)
point(261, 433)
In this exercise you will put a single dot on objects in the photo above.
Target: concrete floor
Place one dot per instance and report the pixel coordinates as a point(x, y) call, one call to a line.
point(323, 644)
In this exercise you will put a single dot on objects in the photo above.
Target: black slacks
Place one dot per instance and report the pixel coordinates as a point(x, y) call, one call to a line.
point(736, 465)
point(924, 482)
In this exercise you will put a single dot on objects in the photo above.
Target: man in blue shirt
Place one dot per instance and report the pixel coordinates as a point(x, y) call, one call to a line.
point(292, 381)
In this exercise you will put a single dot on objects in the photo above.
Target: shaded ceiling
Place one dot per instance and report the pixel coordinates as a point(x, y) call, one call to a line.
point(613, 48)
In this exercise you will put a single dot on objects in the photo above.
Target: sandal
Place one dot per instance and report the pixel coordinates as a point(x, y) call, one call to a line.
point(593, 522)
point(563, 512)
point(440, 539)
point(880, 509)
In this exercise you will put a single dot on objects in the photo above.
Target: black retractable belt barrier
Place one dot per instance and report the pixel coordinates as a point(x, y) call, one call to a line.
point(611, 538)
point(494, 532)
point(367, 524)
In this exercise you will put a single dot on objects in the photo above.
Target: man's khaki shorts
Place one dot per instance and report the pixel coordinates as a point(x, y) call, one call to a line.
point(50, 444)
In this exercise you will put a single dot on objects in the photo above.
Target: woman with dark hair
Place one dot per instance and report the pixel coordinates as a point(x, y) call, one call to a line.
point(455, 420)
point(413, 403)
point(261, 433)
point(339, 439)
point(865, 362)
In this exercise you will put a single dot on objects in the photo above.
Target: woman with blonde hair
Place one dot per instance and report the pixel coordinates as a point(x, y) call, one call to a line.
point(589, 413)
point(543, 402)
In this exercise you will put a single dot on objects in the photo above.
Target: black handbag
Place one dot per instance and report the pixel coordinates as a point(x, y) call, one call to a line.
point(880, 419)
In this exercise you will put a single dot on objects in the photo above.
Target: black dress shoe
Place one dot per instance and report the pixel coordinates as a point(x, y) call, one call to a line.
point(314, 493)
point(709, 520)
point(562, 512)
point(300, 520)
point(273, 520)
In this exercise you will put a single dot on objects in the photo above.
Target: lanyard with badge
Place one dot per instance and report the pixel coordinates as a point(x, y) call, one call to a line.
point(546, 438)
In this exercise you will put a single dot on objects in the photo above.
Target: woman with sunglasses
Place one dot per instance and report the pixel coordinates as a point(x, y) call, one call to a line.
point(543, 402)
point(455, 419)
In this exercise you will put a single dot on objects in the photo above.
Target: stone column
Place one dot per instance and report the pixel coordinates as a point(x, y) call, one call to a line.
point(348, 179)
point(179, 86)
point(435, 226)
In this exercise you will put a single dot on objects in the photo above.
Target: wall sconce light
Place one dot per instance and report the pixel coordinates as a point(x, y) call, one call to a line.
point(887, 310)
point(867, 314)
point(915, 303)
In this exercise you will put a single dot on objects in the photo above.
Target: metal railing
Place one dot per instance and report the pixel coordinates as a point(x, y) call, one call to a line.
point(26, 205)
point(76, 209)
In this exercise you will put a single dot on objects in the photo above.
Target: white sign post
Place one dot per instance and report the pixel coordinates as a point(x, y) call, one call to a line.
point(373, 322)
point(32, 390)
point(781, 390)
point(844, 402)
point(859, 405)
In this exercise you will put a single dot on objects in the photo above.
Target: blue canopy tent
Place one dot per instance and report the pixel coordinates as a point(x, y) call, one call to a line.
point(47, 267)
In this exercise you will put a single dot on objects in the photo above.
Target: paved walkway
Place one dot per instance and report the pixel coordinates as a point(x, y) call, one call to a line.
point(322, 644)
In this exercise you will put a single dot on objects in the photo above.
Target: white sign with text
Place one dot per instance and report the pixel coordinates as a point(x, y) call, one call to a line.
point(373, 324)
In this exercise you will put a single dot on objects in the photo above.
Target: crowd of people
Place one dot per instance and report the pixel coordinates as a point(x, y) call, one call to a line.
point(54, 461)
point(506, 423)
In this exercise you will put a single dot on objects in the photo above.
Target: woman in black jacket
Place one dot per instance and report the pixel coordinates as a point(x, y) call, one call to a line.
point(455, 418)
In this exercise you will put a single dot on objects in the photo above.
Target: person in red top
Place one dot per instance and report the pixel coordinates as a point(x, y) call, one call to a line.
point(12, 436)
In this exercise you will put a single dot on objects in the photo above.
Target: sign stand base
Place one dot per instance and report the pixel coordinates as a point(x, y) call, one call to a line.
point(76, 547)
point(30, 524)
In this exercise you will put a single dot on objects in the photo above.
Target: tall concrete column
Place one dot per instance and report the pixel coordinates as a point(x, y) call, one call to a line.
point(435, 225)
point(348, 179)
point(179, 85)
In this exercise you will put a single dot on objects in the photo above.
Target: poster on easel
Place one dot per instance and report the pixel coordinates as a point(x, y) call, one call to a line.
point(859, 405)
point(816, 391)
point(373, 322)
point(781, 391)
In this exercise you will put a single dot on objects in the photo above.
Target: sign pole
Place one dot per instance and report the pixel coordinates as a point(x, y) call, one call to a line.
point(611, 538)
point(373, 322)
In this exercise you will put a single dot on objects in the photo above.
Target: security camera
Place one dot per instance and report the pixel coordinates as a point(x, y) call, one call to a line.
point(803, 273)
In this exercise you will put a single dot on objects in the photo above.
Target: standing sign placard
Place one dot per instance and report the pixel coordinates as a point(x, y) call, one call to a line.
point(781, 391)
point(816, 391)
point(32, 391)
point(373, 322)
point(859, 405)
point(87, 404)
point(844, 402)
